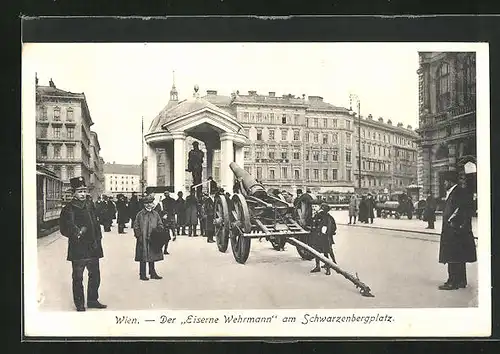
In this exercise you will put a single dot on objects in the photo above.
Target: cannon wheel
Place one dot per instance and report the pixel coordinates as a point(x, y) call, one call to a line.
point(239, 244)
point(221, 223)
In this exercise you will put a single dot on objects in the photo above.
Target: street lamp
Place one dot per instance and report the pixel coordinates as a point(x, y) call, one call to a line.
point(355, 97)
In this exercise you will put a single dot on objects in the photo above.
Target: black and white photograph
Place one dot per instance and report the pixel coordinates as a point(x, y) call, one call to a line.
point(256, 189)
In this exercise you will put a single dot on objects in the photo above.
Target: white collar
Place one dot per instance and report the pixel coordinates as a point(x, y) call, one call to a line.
point(448, 192)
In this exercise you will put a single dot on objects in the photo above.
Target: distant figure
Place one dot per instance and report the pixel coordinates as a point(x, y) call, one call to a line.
point(122, 210)
point(353, 209)
point(180, 212)
point(363, 210)
point(212, 185)
point(133, 207)
point(208, 214)
point(191, 213)
point(430, 211)
point(370, 204)
point(456, 247)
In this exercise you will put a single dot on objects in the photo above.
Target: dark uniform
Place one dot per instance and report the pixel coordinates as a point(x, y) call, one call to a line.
point(78, 223)
point(180, 212)
point(324, 227)
point(430, 211)
point(457, 245)
point(123, 216)
point(167, 213)
point(133, 207)
point(209, 214)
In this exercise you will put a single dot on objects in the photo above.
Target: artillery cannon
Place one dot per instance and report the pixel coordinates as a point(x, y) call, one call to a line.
point(252, 212)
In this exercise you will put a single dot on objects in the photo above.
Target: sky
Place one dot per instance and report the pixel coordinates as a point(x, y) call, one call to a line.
point(126, 81)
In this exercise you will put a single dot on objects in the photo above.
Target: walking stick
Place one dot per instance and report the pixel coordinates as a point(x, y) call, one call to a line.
point(363, 288)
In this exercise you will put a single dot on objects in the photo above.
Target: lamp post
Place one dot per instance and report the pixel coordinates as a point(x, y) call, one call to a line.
point(355, 97)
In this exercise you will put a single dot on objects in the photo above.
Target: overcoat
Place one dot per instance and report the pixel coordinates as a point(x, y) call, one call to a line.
point(363, 209)
point(430, 209)
point(133, 207)
point(74, 216)
point(370, 204)
point(209, 213)
point(169, 206)
point(122, 209)
point(323, 231)
point(353, 206)
point(191, 210)
point(144, 224)
point(180, 211)
point(457, 241)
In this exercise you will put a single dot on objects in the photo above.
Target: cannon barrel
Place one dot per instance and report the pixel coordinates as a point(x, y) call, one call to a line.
point(252, 187)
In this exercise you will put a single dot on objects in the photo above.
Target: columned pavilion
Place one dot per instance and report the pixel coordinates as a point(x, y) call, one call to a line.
point(202, 120)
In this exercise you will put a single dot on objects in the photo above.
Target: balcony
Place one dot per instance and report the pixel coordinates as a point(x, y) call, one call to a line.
point(448, 115)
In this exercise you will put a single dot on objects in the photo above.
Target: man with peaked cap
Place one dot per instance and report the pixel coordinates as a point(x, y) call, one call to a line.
point(208, 215)
point(79, 224)
point(456, 247)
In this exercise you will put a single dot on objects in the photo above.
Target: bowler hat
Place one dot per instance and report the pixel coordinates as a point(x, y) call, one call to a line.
point(451, 176)
point(77, 182)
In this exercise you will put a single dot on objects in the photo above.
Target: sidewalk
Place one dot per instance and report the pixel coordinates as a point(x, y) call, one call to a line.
point(403, 224)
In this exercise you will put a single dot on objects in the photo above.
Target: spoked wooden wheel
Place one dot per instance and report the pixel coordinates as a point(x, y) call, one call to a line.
point(221, 223)
point(240, 224)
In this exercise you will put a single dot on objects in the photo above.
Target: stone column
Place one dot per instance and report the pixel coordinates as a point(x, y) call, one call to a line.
point(168, 164)
point(227, 156)
point(179, 161)
point(152, 167)
point(239, 156)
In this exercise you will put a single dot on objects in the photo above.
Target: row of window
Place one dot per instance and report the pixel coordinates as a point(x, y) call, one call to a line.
point(57, 132)
point(325, 155)
point(284, 118)
point(326, 175)
point(70, 171)
point(57, 150)
point(122, 177)
point(56, 114)
point(325, 138)
point(126, 189)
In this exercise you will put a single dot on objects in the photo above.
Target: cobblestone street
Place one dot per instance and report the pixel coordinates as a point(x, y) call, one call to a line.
point(402, 272)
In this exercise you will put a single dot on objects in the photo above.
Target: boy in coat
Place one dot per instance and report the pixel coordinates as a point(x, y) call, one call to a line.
point(78, 223)
point(322, 236)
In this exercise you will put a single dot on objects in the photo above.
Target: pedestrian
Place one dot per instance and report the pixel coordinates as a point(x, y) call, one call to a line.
point(212, 186)
point(456, 247)
point(79, 224)
point(430, 211)
point(146, 222)
point(122, 210)
point(209, 214)
point(133, 207)
point(191, 213)
point(353, 209)
point(106, 214)
point(111, 209)
point(180, 213)
point(324, 227)
point(167, 213)
point(363, 210)
point(200, 213)
point(370, 204)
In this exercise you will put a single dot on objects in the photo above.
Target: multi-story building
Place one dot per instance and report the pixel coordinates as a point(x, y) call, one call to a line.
point(388, 155)
point(96, 184)
point(63, 132)
point(447, 116)
point(121, 179)
point(299, 142)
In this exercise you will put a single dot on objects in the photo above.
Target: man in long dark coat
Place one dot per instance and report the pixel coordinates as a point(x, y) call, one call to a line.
point(106, 214)
point(122, 210)
point(430, 211)
point(133, 207)
point(456, 247)
point(208, 215)
point(192, 213)
point(79, 224)
point(168, 206)
point(324, 227)
point(370, 204)
point(180, 214)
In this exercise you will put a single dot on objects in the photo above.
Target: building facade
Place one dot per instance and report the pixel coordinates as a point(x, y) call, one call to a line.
point(447, 116)
point(299, 142)
point(121, 179)
point(63, 134)
point(96, 185)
